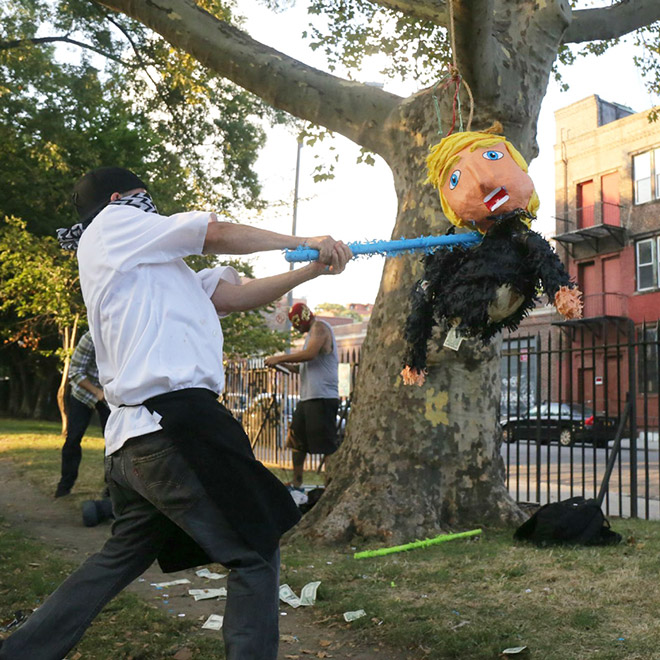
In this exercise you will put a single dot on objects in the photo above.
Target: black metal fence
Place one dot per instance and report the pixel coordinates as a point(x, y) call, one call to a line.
point(563, 396)
point(264, 399)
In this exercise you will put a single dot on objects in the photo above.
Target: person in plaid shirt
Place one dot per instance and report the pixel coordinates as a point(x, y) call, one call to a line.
point(86, 395)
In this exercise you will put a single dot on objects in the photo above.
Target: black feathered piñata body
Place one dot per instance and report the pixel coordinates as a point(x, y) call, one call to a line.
point(462, 286)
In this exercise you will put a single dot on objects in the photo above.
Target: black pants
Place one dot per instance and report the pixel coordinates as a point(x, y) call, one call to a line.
point(79, 416)
point(153, 487)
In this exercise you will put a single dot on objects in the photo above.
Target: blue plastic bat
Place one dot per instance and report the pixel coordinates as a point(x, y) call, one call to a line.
point(393, 248)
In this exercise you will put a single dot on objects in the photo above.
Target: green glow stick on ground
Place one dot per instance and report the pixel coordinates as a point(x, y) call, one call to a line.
point(415, 544)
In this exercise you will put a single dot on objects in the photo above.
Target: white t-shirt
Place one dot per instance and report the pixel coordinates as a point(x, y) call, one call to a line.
point(154, 326)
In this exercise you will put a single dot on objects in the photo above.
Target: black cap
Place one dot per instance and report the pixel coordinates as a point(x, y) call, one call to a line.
point(92, 192)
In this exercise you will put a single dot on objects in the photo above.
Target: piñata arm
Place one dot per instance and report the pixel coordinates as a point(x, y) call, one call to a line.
point(557, 284)
point(419, 327)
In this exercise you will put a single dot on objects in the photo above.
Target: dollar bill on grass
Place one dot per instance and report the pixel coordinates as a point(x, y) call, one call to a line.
point(172, 583)
point(214, 622)
point(356, 614)
point(288, 596)
point(205, 573)
point(203, 594)
point(308, 593)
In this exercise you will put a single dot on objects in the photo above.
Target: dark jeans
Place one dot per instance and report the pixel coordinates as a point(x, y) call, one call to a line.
point(79, 417)
point(152, 486)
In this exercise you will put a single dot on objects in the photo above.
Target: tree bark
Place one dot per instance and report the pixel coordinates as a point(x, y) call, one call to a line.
point(415, 461)
point(611, 22)
point(26, 405)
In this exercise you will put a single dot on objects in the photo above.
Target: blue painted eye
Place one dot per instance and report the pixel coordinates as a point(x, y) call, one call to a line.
point(492, 155)
point(453, 179)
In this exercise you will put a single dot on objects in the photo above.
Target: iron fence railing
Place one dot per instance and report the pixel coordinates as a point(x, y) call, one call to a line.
point(562, 397)
point(561, 400)
point(264, 399)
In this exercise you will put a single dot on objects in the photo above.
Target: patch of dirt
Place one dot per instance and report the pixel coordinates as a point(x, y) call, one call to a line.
point(53, 522)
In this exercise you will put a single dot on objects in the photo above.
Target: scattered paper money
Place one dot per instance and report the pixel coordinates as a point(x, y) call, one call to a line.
point(514, 650)
point(287, 595)
point(214, 622)
point(351, 616)
point(308, 593)
point(205, 573)
point(170, 584)
point(203, 594)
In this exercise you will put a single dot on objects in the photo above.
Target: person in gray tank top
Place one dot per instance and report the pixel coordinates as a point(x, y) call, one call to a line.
point(313, 429)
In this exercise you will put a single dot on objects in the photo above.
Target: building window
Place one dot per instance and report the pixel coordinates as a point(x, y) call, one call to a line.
point(647, 263)
point(647, 360)
point(585, 201)
point(642, 174)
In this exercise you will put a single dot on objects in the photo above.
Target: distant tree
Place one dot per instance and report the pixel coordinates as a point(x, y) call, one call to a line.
point(41, 310)
point(127, 99)
point(120, 96)
point(335, 309)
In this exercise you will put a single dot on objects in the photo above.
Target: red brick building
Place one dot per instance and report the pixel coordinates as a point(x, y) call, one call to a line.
point(607, 197)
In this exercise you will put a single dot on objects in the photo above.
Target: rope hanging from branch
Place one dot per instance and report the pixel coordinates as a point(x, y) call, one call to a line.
point(453, 77)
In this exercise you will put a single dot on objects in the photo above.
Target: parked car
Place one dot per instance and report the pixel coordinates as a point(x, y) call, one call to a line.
point(565, 423)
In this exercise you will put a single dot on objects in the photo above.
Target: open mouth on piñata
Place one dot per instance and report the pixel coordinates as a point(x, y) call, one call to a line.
point(495, 198)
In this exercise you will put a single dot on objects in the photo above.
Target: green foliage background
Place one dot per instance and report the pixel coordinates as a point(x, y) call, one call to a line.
point(80, 88)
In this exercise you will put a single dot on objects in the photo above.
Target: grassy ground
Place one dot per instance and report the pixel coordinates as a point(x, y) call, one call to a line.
point(127, 627)
point(36, 449)
point(469, 599)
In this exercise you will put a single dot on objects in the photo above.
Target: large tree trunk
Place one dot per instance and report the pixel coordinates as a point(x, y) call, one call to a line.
point(416, 460)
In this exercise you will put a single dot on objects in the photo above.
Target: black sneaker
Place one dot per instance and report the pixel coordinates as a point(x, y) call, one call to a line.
point(96, 511)
point(61, 491)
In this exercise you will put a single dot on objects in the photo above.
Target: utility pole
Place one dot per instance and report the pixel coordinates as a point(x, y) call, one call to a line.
point(289, 299)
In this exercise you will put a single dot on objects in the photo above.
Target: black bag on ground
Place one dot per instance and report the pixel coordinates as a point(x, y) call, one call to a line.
point(571, 522)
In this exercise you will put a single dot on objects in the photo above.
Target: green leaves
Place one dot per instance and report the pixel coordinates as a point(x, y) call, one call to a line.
point(121, 96)
point(357, 29)
point(39, 287)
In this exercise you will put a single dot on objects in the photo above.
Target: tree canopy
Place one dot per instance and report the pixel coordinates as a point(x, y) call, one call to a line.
point(81, 88)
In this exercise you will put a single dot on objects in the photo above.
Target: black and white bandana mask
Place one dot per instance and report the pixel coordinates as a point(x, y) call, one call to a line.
point(69, 237)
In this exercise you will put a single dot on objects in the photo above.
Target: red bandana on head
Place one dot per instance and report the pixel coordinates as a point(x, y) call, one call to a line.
point(301, 317)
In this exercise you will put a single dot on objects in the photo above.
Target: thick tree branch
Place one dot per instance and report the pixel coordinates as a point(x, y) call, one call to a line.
point(611, 22)
point(37, 41)
point(475, 45)
point(425, 10)
point(353, 109)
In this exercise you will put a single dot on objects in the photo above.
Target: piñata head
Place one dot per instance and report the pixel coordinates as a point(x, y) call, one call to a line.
point(479, 176)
